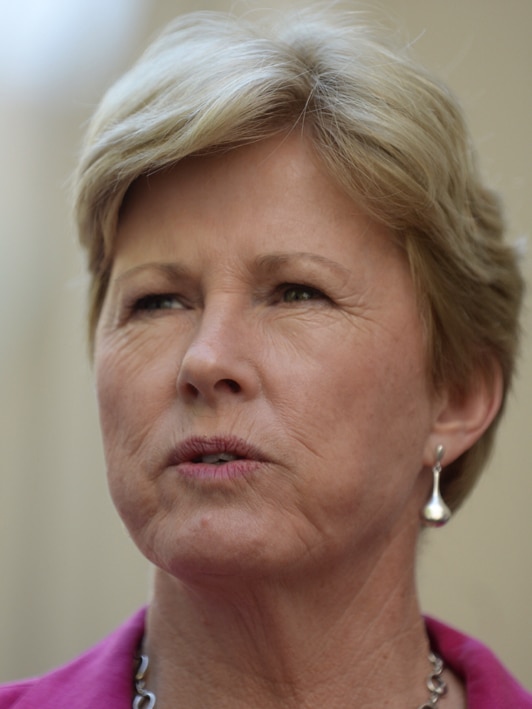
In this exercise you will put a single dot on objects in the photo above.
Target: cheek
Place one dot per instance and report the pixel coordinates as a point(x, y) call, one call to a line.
point(360, 378)
point(128, 404)
point(366, 407)
point(132, 388)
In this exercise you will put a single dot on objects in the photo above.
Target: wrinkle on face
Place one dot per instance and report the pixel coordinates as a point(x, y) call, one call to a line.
point(331, 388)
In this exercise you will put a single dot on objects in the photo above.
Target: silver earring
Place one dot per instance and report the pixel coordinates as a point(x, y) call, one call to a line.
point(436, 513)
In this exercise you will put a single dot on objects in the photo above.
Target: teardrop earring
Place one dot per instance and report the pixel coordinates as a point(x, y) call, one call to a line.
point(436, 513)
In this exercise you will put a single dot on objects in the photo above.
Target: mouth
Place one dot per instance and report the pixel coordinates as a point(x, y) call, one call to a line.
point(216, 458)
point(214, 450)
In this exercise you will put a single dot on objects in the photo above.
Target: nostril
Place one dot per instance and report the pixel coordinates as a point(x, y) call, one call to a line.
point(229, 384)
point(190, 390)
point(233, 386)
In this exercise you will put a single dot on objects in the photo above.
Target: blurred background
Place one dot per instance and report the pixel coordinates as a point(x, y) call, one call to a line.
point(69, 573)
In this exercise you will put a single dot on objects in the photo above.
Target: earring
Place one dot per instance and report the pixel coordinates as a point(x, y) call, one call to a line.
point(436, 513)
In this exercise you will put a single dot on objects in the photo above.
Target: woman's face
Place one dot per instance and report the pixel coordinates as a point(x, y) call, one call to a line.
point(261, 368)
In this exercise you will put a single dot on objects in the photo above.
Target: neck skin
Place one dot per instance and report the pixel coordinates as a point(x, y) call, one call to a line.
point(342, 637)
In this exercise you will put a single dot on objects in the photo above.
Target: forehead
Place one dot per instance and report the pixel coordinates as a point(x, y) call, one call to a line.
point(277, 187)
point(273, 170)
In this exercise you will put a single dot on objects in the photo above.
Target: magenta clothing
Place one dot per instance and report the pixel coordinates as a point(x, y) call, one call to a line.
point(102, 677)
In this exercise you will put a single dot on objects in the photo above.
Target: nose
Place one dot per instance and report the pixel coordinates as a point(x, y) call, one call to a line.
point(219, 360)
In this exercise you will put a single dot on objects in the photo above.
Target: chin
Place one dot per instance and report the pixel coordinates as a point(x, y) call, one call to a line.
point(217, 546)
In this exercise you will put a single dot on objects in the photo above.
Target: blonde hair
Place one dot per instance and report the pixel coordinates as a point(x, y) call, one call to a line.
point(389, 133)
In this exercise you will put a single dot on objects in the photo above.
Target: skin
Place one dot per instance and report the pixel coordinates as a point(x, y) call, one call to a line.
point(251, 297)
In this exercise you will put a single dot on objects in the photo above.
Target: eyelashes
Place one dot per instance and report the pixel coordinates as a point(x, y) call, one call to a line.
point(154, 302)
point(299, 293)
point(287, 294)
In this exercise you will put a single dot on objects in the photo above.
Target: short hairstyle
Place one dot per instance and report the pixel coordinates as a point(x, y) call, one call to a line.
point(388, 133)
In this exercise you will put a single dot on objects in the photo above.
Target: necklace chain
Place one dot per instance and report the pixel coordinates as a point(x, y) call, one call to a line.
point(144, 699)
point(435, 683)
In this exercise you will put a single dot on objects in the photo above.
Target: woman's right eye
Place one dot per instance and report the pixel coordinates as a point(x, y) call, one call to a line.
point(157, 301)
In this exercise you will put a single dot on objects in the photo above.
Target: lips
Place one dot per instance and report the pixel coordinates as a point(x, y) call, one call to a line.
point(215, 456)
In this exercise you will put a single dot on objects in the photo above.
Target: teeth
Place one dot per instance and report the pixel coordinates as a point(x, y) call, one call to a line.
point(218, 458)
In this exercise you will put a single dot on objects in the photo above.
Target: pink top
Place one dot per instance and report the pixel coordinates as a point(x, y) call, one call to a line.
point(102, 677)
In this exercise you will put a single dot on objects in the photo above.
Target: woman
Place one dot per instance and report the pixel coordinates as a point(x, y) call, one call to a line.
point(304, 323)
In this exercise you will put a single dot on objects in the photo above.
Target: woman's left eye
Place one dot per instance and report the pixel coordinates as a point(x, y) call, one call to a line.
point(297, 293)
point(157, 301)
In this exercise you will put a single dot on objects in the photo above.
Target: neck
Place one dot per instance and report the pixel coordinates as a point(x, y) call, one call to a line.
point(345, 637)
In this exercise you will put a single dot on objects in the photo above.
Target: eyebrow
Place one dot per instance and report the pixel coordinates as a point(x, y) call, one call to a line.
point(171, 271)
point(272, 262)
point(269, 263)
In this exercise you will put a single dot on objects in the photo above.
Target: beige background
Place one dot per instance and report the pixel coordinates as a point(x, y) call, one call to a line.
point(68, 571)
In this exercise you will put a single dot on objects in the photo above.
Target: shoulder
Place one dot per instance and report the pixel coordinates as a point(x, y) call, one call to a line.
point(489, 685)
point(11, 693)
point(101, 676)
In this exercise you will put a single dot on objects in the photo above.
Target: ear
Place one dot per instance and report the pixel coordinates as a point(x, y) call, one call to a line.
point(460, 420)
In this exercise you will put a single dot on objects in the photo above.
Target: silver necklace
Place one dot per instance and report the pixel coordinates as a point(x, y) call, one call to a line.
point(435, 683)
point(144, 699)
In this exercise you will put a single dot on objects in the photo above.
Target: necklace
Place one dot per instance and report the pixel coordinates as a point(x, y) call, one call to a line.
point(144, 699)
point(435, 682)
